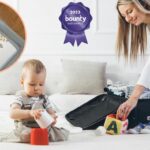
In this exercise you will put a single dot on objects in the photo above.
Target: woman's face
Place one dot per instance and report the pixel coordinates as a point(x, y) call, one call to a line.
point(132, 14)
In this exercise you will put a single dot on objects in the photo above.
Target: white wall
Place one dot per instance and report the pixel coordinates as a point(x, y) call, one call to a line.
point(45, 36)
point(44, 33)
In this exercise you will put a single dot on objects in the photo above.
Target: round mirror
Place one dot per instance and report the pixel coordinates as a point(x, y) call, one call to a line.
point(12, 36)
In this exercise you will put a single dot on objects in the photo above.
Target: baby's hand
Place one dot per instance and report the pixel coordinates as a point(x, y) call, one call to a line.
point(36, 114)
point(55, 118)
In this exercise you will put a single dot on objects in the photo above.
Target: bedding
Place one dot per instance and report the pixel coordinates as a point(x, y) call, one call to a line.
point(78, 139)
point(66, 76)
point(87, 140)
point(65, 103)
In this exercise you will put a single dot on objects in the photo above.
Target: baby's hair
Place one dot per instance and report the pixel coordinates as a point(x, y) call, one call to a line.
point(33, 65)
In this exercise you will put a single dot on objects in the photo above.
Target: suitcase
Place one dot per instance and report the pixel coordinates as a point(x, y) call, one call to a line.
point(93, 113)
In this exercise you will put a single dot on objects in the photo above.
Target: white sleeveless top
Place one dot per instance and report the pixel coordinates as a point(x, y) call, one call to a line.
point(144, 79)
point(148, 27)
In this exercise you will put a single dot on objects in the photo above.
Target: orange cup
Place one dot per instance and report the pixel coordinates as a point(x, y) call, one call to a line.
point(39, 136)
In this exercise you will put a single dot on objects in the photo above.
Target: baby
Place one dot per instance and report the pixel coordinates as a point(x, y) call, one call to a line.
point(31, 101)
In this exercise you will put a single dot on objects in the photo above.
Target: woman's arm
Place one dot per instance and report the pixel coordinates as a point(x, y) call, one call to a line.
point(138, 90)
point(144, 78)
point(143, 82)
point(125, 108)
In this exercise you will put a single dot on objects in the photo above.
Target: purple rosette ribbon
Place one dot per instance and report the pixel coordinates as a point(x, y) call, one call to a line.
point(75, 18)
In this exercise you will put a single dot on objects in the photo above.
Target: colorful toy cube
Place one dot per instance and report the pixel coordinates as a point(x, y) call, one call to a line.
point(115, 126)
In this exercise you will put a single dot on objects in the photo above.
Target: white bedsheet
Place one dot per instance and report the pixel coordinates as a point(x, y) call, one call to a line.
point(62, 122)
point(85, 140)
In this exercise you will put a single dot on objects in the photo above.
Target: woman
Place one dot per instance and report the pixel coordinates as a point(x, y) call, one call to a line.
point(134, 19)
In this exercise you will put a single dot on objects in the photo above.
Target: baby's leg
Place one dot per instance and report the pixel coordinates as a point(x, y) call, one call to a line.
point(57, 134)
point(23, 133)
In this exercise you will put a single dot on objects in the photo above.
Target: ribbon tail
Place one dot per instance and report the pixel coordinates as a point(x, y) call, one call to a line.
point(81, 38)
point(69, 38)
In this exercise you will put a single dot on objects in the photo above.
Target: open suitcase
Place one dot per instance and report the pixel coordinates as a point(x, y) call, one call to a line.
point(93, 113)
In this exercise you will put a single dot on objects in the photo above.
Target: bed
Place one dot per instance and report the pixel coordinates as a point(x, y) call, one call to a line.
point(68, 90)
point(87, 140)
point(78, 139)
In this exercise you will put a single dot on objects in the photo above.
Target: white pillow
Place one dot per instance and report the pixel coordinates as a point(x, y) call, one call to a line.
point(9, 79)
point(83, 77)
point(66, 103)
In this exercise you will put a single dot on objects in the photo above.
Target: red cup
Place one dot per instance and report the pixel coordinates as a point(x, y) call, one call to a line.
point(39, 136)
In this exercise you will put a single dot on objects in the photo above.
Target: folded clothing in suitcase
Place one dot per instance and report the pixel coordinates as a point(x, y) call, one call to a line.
point(93, 113)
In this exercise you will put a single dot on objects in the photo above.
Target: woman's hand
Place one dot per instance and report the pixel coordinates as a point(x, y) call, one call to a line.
point(125, 108)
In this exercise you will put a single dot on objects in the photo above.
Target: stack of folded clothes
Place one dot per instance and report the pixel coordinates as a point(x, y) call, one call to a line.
point(124, 90)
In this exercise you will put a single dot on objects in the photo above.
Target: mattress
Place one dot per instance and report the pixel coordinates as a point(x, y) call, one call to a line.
point(79, 140)
point(87, 140)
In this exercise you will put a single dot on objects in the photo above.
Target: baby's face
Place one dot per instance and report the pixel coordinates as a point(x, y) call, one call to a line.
point(34, 83)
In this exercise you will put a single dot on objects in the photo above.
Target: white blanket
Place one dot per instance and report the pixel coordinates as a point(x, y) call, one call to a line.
point(85, 140)
point(62, 122)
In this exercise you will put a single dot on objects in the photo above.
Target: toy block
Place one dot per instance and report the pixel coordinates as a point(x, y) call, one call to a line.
point(39, 136)
point(115, 126)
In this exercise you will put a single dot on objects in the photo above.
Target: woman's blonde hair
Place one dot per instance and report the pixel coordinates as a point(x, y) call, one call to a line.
point(33, 65)
point(126, 31)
